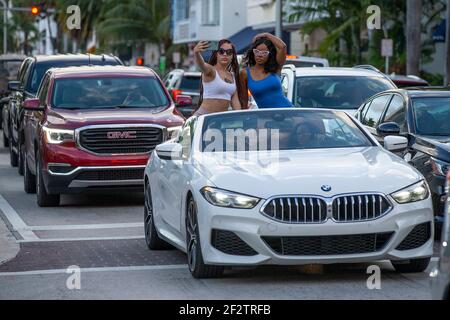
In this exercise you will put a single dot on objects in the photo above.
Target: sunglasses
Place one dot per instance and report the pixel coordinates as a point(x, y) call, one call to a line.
point(228, 52)
point(261, 53)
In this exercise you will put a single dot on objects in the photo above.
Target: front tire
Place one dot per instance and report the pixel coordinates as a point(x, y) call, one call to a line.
point(197, 266)
point(29, 179)
point(13, 159)
point(43, 198)
point(5, 139)
point(153, 241)
point(412, 266)
point(20, 158)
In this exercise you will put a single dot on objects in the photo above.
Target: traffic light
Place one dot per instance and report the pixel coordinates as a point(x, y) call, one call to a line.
point(140, 61)
point(39, 10)
point(35, 10)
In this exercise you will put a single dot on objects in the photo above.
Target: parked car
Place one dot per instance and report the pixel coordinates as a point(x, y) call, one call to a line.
point(440, 275)
point(184, 84)
point(9, 69)
point(299, 61)
point(321, 190)
point(94, 127)
point(332, 88)
point(423, 117)
point(31, 73)
point(402, 81)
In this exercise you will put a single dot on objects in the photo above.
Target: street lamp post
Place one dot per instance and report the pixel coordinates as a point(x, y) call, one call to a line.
point(5, 31)
point(278, 18)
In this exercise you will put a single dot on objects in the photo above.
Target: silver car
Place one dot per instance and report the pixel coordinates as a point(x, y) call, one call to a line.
point(440, 276)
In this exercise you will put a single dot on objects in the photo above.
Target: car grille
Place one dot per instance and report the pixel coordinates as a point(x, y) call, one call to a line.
point(111, 175)
point(116, 140)
point(228, 242)
point(416, 238)
point(359, 207)
point(297, 210)
point(328, 245)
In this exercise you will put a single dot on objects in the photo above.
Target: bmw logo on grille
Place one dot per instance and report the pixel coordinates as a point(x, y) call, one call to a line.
point(326, 188)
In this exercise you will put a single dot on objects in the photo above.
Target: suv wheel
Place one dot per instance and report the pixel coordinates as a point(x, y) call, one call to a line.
point(20, 159)
point(5, 139)
point(153, 241)
point(411, 266)
point(29, 179)
point(13, 160)
point(43, 198)
point(197, 267)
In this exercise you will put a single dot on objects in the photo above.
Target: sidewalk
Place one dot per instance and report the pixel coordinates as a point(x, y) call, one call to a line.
point(8, 246)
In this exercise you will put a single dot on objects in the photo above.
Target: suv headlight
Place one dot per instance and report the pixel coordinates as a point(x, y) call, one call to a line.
point(223, 198)
point(439, 168)
point(173, 132)
point(416, 192)
point(58, 136)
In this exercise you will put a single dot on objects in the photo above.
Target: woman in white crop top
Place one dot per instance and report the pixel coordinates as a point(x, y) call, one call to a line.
point(221, 85)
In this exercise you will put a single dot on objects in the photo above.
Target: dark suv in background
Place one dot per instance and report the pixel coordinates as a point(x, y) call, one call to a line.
point(30, 76)
point(183, 85)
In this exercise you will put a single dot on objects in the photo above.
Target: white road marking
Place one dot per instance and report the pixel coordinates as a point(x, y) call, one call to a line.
point(82, 239)
point(16, 221)
point(106, 269)
point(87, 226)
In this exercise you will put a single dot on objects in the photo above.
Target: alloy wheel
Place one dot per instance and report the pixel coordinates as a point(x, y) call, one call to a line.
point(192, 235)
point(148, 215)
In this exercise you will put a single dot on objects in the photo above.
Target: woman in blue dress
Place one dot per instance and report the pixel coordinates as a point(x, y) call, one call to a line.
point(261, 77)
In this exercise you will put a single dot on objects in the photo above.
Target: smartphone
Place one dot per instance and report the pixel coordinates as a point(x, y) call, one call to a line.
point(213, 45)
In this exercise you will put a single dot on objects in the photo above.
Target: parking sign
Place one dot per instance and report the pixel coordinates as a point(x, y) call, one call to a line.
point(387, 47)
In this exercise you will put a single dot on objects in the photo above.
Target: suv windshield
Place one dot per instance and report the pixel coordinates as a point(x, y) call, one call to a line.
point(337, 92)
point(432, 116)
point(107, 92)
point(190, 83)
point(280, 130)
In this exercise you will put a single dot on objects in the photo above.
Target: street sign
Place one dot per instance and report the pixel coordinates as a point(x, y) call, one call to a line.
point(387, 48)
point(176, 57)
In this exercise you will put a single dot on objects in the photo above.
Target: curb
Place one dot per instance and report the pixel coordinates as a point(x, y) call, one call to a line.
point(8, 245)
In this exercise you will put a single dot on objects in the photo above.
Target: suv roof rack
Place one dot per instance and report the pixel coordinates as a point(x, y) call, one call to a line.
point(367, 67)
point(290, 67)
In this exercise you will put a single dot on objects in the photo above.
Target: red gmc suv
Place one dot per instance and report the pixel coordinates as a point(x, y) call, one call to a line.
point(94, 127)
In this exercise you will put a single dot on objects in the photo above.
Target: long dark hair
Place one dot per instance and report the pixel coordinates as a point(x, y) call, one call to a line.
point(234, 66)
point(271, 66)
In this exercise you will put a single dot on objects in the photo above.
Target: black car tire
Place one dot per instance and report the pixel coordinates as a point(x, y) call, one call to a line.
point(5, 140)
point(13, 159)
point(412, 266)
point(197, 266)
point(29, 179)
point(20, 158)
point(153, 241)
point(43, 198)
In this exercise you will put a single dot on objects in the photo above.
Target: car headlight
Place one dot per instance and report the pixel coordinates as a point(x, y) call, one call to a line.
point(173, 132)
point(57, 136)
point(223, 198)
point(416, 192)
point(439, 168)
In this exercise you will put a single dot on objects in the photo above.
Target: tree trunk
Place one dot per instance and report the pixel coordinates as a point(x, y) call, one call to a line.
point(447, 46)
point(413, 33)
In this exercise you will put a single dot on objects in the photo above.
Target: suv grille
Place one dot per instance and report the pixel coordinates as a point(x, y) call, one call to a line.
point(359, 207)
point(328, 245)
point(297, 210)
point(112, 175)
point(120, 140)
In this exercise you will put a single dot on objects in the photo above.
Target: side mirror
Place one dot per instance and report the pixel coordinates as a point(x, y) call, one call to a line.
point(183, 101)
point(395, 143)
point(169, 151)
point(388, 129)
point(32, 105)
point(14, 86)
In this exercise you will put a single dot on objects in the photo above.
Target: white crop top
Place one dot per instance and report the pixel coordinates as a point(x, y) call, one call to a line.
point(219, 89)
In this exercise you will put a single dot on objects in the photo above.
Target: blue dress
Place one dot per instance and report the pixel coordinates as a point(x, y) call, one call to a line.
point(268, 92)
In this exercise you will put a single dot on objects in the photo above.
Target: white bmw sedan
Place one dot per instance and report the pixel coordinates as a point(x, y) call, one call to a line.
point(285, 187)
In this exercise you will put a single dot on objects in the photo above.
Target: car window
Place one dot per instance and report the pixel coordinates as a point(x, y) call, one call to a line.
point(190, 83)
point(432, 116)
point(43, 89)
point(396, 112)
point(363, 110)
point(373, 115)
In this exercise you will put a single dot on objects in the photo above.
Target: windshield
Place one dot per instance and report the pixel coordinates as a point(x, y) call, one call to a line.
point(10, 69)
point(189, 83)
point(432, 116)
point(95, 93)
point(337, 92)
point(304, 64)
point(281, 130)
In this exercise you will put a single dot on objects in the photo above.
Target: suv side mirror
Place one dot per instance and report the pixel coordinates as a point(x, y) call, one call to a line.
point(395, 143)
point(169, 151)
point(33, 105)
point(388, 129)
point(183, 101)
point(14, 86)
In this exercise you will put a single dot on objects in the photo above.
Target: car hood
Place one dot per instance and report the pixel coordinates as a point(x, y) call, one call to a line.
point(438, 147)
point(349, 170)
point(72, 119)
